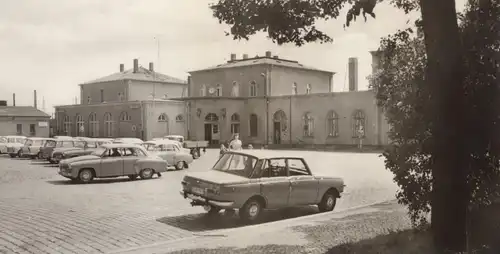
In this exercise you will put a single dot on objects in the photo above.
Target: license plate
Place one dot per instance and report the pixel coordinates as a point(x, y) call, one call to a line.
point(197, 190)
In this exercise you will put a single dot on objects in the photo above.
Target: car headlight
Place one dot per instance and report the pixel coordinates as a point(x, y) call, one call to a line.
point(215, 189)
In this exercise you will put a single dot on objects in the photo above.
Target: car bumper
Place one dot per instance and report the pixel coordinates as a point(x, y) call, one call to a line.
point(202, 200)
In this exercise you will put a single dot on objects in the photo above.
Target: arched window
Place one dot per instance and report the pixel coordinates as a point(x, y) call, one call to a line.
point(80, 129)
point(203, 91)
point(109, 125)
point(294, 88)
point(93, 125)
point(308, 88)
point(332, 124)
point(162, 118)
point(211, 117)
point(308, 125)
point(236, 89)
point(253, 125)
point(358, 124)
point(235, 123)
point(253, 89)
point(67, 125)
point(218, 90)
point(124, 116)
point(179, 118)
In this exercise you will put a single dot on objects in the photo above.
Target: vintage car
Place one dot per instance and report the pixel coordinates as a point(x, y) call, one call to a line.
point(14, 144)
point(49, 147)
point(89, 146)
point(32, 147)
point(253, 180)
point(113, 160)
point(195, 147)
point(171, 152)
point(135, 141)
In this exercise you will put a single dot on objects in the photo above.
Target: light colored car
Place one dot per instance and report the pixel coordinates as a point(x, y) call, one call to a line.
point(113, 160)
point(32, 147)
point(135, 141)
point(14, 144)
point(195, 147)
point(83, 146)
point(252, 181)
point(171, 152)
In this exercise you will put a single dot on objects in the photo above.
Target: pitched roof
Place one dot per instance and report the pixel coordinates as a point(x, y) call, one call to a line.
point(262, 60)
point(143, 74)
point(22, 111)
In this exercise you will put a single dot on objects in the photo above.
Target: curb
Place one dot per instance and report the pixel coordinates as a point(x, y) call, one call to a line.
point(277, 225)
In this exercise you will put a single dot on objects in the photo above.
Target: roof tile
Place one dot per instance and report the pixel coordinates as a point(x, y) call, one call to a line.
point(26, 111)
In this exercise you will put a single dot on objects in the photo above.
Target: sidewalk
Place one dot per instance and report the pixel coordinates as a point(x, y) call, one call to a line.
point(311, 234)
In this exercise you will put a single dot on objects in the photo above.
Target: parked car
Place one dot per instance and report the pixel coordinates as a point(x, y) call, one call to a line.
point(113, 160)
point(3, 142)
point(252, 181)
point(171, 152)
point(194, 146)
point(14, 144)
point(56, 155)
point(89, 146)
point(32, 147)
point(135, 141)
point(49, 147)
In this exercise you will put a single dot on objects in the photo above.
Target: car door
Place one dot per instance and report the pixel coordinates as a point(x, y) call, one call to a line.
point(275, 184)
point(111, 164)
point(168, 154)
point(303, 186)
point(130, 157)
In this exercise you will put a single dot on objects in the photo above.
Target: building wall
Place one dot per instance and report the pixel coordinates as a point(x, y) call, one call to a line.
point(282, 79)
point(294, 107)
point(141, 90)
point(110, 92)
point(8, 126)
point(174, 122)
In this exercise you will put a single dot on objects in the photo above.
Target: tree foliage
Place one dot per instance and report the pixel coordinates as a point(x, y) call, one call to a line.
point(405, 96)
point(292, 21)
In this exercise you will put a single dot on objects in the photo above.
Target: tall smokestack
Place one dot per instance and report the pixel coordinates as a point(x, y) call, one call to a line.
point(34, 99)
point(151, 67)
point(122, 67)
point(136, 65)
point(14, 99)
point(353, 74)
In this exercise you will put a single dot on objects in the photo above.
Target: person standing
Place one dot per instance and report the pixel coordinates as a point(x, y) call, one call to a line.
point(236, 143)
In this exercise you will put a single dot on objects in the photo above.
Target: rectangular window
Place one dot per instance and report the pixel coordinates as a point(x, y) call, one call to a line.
point(19, 128)
point(32, 129)
point(102, 95)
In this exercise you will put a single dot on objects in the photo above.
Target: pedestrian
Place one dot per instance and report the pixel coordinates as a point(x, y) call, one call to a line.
point(250, 146)
point(236, 143)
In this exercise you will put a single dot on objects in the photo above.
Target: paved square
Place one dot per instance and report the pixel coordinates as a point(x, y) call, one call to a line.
point(43, 212)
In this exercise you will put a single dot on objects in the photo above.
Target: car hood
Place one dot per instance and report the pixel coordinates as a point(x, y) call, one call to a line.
point(217, 177)
point(81, 158)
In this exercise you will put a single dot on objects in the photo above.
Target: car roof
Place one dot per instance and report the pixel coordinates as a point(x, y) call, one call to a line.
point(121, 146)
point(265, 154)
point(38, 138)
point(14, 137)
point(162, 142)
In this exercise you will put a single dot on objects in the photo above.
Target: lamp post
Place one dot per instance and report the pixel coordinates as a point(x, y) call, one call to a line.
point(264, 75)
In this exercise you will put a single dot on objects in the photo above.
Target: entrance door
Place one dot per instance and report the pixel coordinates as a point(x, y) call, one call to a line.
point(277, 132)
point(208, 132)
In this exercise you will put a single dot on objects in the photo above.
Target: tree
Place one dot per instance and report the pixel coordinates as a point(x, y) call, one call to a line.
point(293, 21)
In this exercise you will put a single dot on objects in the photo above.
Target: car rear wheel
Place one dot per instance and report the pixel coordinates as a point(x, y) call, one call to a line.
point(180, 165)
point(86, 176)
point(328, 202)
point(251, 211)
point(147, 173)
point(39, 155)
point(196, 154)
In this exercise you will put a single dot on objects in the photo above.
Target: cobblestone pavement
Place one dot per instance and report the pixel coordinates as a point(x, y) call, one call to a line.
point(42, 212)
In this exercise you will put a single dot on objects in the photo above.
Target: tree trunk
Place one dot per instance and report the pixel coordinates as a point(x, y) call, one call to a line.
point(444, 77)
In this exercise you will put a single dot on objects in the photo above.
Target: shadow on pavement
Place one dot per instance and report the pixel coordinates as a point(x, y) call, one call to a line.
point(96, 181)
point(204, 222)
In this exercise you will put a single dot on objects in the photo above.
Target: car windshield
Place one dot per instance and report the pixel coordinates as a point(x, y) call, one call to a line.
point(65, 144)
point(50, 143)
point(236, 164)
point(98, 152)
point(80, 144)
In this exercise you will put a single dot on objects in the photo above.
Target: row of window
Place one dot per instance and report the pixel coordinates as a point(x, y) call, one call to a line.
point(280, 119)
point(19, 129)
point(121, 97)
point(235, 91)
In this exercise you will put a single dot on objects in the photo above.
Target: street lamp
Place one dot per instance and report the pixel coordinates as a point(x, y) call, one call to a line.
point(264, 75)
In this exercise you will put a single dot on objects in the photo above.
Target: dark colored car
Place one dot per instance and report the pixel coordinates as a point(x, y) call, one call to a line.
point(58, 144)
point(90, 146)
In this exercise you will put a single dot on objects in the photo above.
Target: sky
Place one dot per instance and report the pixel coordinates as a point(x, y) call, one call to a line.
point(52, 46)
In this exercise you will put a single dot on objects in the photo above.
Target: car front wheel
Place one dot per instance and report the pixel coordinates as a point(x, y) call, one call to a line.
point(86, 176)
point(251, 211)
point(328, 202)
point(196, 154)
point(146, 173)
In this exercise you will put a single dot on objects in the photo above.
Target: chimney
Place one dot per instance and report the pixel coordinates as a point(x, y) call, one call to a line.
point(275, 57)
point(189, 80)
point(245, 56)
point(14, 99)
point(151, 67)
point(269, 54)
point(34, 99)
point(233, 57)
point(136, 65)
point(353, 74)
point(122, 67)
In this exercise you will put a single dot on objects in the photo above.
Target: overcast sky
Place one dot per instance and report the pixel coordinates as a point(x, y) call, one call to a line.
point(52, 46)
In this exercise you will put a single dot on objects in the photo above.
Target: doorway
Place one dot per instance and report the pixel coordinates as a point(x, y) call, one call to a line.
point(208, 132)
point(280, 126)
point(277, 132)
